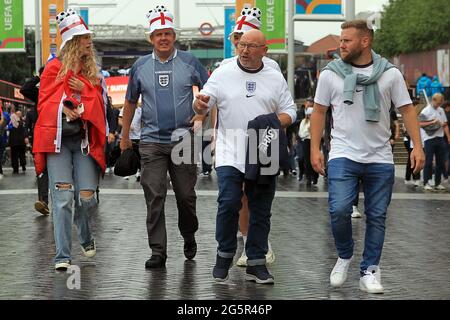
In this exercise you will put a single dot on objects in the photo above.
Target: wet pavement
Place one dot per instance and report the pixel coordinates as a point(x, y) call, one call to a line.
point(415, 262)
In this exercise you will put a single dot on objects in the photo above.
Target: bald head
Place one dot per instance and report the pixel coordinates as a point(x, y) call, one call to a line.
point(252, 48)
point(254, 36)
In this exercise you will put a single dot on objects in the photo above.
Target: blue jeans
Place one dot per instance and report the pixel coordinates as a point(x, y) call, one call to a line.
point(81, 172)
point(378, 180)
point(260, 199)
point(434, 147)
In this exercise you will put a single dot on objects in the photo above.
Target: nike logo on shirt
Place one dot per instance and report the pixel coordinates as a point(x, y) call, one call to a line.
point(249, 96)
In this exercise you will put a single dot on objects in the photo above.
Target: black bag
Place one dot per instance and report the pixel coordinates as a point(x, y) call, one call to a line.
point(71, 128)
point(127, 164)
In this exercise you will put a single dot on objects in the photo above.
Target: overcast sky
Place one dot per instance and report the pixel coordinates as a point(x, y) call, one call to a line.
point(132, 12)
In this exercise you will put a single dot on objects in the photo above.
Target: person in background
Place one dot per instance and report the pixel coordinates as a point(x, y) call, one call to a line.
point(17, 141)
point(30, 90)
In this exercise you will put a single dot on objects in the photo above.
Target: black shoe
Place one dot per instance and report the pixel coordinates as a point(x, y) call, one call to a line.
point(190, 249)
point(220, 271)
point(259, 274)
point(155, 261)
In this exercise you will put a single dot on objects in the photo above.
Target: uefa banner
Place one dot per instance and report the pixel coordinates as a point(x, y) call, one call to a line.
point(12, 31)
point(51, 40)
point(273, 20)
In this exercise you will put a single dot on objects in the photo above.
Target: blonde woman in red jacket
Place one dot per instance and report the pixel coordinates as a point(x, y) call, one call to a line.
point(70, 135)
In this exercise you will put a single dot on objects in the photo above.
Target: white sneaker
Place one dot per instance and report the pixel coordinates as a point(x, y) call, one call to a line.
point(408, 182)
point(440, 188)
point(90, 250)
point(417, 183)
point(445, 181)
point(242, 261)
point(270, 255)
point(62, 266)
point(107, 170)
point(356, 213)
point(427, 187)
point(1, 176)
point(126, 178)
point(371, 281)
point(339, 273)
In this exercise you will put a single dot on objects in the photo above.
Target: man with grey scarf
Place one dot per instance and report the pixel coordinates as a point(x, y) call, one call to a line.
point(359, 88)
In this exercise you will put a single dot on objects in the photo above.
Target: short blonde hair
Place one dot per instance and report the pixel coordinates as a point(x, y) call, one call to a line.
point(437, 96)
point(360, 25)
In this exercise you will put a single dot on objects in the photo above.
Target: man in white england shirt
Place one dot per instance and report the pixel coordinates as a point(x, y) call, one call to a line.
point(242, 91)
point(359, 88)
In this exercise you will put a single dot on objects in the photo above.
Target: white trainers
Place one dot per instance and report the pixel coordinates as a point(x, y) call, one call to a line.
point(445, 181)
point(1, 176)
point(339, 273)
point(242, 261)
point(62, 266)
point(270, 256)
point(408, 182)
point(371, 281)
point(356, 213)
point(90, 250)
point(427, 187)
point(417, 183)
point(440, 188)
point(107, 170)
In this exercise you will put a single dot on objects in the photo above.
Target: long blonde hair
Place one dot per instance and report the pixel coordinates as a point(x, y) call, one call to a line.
point(70, 59)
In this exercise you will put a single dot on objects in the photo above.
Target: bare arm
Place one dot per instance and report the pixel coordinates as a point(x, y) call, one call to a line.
point(447, 131)
point(317, 127)
point(412, 127)
point(285, 120)
point(128, 114)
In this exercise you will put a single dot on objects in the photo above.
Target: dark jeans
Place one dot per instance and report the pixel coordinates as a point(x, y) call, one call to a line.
point(260, 199)
point(378, 180)
point(42, 183)
point(434, 147)
point(155, 162)
point(18, 152)
point(311, 175)
point(409, 171)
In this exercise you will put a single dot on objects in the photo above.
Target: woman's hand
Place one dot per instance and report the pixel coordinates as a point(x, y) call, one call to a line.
point(71, 114)
point(75, 84)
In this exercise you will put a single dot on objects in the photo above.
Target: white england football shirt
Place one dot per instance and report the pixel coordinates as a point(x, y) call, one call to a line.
point(353, 137)
point(241, 96)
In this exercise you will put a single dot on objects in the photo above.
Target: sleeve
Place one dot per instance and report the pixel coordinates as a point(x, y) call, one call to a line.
point(443, 116)
point(286, 103)
point(399, 92)
point(202, 74)
point(323, 91)
point(134, 86)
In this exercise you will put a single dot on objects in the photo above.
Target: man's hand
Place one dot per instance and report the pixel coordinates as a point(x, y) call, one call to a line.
point(318, 162)
point(111, 137)
point(125, 143)
point(197, 122)
point(71, 115)
point(76, 84)
point(201, 103)
point(417, 160)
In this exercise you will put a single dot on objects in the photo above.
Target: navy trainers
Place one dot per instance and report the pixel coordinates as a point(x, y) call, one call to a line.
point(259, 274)
point(220, 271)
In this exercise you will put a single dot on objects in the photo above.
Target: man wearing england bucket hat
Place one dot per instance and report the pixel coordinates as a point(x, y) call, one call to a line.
point(71, 91)
point(164, 79)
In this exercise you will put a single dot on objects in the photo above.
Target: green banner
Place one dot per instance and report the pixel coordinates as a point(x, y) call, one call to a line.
point(273, 18)
point(12, 31)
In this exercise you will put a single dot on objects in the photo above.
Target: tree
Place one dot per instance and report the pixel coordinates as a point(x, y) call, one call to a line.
point(412, 26)
point(16, 67)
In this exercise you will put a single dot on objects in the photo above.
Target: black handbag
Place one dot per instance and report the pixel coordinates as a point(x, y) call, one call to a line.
point(71, 128)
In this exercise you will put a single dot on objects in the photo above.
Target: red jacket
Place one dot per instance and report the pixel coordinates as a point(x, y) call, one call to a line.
point(47, 132)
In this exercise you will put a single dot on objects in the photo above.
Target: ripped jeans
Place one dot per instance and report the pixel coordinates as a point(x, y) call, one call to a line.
point(71, 173)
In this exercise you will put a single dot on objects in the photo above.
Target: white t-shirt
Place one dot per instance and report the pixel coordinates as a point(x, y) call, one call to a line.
point(240, 97)
point(136, 124)
point(304, 130)
point(353, 137)
point(431, 113)
point(266, 60)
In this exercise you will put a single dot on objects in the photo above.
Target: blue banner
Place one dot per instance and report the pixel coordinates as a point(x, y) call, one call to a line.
point(228, 49)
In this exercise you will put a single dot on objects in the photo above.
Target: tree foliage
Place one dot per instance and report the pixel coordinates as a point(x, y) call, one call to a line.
point(412, 26)
point(17, 66)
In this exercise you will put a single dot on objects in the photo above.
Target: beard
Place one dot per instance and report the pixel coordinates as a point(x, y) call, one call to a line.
point(352, 56)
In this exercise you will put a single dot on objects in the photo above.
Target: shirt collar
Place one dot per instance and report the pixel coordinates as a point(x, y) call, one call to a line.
point(172, 56)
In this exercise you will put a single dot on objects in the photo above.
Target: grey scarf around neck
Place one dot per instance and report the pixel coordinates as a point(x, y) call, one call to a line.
point(371, 95)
